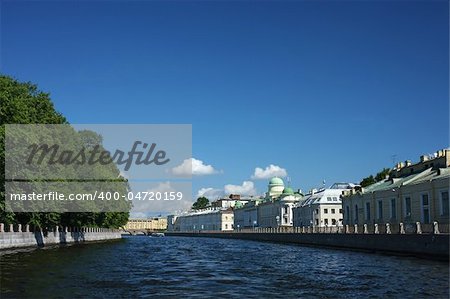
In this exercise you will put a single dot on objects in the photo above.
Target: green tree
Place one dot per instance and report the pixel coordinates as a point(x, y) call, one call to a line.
point(382, 174)
point(367, 181)
point(23, 103)
point(201, 203)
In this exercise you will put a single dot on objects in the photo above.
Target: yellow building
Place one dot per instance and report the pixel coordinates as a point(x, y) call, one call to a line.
point(154, 224)
point(412, 193)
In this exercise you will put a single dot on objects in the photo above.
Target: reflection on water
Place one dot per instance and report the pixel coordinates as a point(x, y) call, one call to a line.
point(202, 267)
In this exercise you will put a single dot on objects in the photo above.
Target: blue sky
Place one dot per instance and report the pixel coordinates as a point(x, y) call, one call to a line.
point(326, 90)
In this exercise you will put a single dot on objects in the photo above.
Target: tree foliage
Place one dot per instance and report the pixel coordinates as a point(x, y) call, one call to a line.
point(367, 181)
point(382, 174)
point(201, 203)
point(23, 103)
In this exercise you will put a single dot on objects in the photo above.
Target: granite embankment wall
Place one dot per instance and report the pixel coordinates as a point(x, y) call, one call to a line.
point(18, 238)
point(430, 246)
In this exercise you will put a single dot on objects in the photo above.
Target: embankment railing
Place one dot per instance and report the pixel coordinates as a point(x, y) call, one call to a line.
point(382, 228)
point(56, 229)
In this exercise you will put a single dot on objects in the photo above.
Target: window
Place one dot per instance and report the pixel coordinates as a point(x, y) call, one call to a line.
point(407, 208)
point(367, 210)
point(333, 211)
point(333, 221)
point(444, 203)
point(317, 221)
point(329, 199)
point(326, 221)
point(380, 209)
point(425, 208)
point(226, 226)
point(325, 211)
point(340, 211)
point(356, 214)
point(335, 198)
point(347, 213)
point(393, 208)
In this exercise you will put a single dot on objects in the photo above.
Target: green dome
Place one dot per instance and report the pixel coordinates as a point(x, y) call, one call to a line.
point(276, 181)
point(288, 191)
point(238, 205)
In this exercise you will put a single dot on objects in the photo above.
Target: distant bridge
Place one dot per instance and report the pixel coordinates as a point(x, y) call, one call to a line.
point(136, 232)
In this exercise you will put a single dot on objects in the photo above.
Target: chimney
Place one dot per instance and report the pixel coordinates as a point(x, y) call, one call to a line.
point(423, 158)
point(408, 163)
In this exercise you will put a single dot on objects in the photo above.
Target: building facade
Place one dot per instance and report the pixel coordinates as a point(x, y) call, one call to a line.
point(231, 201)
point(154, 224)
point(274, 210)
point(321, 208)
point(210, 219)
point(412, 193)
point(246, 216)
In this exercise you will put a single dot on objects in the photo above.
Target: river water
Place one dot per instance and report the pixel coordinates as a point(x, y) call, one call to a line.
point(139, 267)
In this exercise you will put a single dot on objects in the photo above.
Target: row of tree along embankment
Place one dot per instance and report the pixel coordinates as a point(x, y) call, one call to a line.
point(429, 246)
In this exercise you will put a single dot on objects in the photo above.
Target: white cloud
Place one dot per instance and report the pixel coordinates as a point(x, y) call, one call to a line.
point(269, 172)
point(247, 188)
point(210, 193)
point(193, 166)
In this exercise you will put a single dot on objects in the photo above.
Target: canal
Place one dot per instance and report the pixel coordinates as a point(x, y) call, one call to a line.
point(201, 267)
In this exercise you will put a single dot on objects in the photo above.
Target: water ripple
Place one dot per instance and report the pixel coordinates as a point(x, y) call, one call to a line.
point(207, 268)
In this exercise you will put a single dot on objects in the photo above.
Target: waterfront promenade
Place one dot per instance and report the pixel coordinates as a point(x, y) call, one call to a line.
point(420, 241)
point(18, 236)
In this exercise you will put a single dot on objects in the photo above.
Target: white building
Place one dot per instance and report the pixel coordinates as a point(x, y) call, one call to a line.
point(321, 208)
point(207, 219)
point(231, 201)
point(273, 211)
